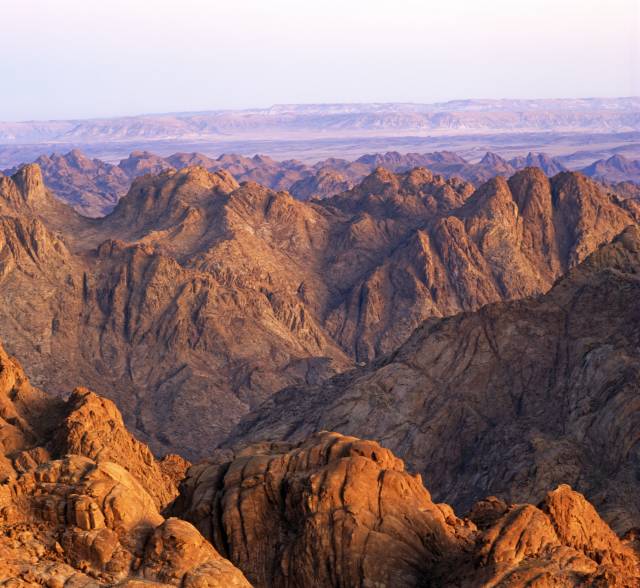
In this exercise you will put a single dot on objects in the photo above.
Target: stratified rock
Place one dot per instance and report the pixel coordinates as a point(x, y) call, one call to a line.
point(99, 520)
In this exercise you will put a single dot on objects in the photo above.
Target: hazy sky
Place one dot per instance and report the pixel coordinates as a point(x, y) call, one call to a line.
point(84, 58)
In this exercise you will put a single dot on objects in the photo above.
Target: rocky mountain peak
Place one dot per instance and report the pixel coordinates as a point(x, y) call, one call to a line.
point(141, 162)
point(380, 182)
point(25, 193)
point(165, 198)
point(618, 161)
point(28, 179)
point(490, 198)
point(78, 160)
point(492, 159)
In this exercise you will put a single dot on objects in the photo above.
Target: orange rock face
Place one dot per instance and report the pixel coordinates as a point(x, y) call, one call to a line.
point(332, 511)
point(93, 427)
point(338, 511)
point(80, 498)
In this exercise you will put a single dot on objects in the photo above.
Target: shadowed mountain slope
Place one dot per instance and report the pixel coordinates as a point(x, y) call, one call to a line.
point(509, 400)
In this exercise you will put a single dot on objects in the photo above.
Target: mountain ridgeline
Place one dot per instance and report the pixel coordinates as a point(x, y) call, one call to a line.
point(93, 187)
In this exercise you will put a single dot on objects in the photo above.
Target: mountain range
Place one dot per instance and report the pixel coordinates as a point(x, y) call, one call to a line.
point(93, 186)
point(509, 400)
point(581, 131)
point(317, 359)
point(620, 114)
point(197, 298)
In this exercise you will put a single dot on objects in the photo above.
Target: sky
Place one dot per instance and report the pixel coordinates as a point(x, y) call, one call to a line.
point(90, 58)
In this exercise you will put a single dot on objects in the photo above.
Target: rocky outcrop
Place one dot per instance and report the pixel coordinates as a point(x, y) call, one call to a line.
point(547, 545)
point(80, 498)
point(510, 400)
point(72, 518)
point(334, 511)
point(329, 511)
point(92, 426)
point(339, 511)
point(176, 554)
point(36, 426)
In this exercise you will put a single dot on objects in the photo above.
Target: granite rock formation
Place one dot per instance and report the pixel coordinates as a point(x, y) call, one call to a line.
point(339, 511)
point(80, 507)
point(80, 498)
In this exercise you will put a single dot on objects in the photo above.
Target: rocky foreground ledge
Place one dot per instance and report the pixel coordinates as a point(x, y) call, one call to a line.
point(83, 503)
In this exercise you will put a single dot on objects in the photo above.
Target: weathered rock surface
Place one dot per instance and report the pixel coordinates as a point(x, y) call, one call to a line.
point(80, 498)
point(92, 426)
point(338, 511)
point(510, 400)
point(330, 511)
point(333, 511)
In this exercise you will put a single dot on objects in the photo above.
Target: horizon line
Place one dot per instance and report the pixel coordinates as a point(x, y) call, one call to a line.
point(327, 104)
